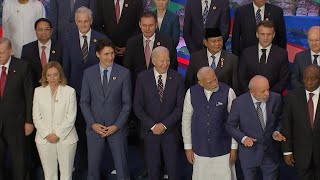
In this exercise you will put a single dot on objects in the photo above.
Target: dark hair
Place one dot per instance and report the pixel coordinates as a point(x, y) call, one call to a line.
point(265, 23)
point(42, 20)
point(148, 14)
point(105, 42)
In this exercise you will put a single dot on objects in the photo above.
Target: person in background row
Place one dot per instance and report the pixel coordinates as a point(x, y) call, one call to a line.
point(16, 94)
point(207, 144)
point(54, 114)
point(306, 57)
point(18, 19)
point(168, 22)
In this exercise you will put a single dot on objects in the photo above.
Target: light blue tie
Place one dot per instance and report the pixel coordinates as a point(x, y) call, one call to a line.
point(213, 65)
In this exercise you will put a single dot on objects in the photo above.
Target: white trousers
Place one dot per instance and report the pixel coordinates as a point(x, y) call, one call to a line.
point(216, 168)
point(52, 154)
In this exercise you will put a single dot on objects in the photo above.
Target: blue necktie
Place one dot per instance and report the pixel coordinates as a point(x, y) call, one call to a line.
point(213, 64)
point(205, 13)
point(105, 81)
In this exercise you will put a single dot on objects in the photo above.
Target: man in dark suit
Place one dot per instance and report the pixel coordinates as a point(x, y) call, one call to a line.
point(306, 57)
point(265, 59)
point(61, 14)
point(106, 105)
point(16, 94)
point(119, 20)
point(79, 54)
point(224, 64)
point(158, 103)
point(138, 51)
point(41, 51)
point(246, 19)
point(254, 123)
point(205, 14)
point(301, 126)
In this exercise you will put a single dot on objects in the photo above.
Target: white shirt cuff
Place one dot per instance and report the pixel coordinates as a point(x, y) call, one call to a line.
point(244, 138)
point(187, 146)
point(287, 153)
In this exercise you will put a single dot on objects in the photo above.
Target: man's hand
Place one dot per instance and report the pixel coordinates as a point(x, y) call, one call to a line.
point(158, 129)
point(278, 136)
point(289, 160)
point(52, 138)
point(99, 129)
point(248, 142)
point(28, 128)
point(119, 51)
point(190, 155)
point(110, 130)
point(233, 156)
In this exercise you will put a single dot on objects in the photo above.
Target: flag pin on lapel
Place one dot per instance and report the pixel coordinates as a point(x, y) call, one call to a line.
point(114, 78)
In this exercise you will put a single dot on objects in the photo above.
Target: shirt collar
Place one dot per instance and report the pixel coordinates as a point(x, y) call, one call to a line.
point(255, 100)
point(152, 38)
point(315, 92)
point(102, 69)
point(267, 48)
point(6, 65)
point(313, 53)
point(215, 55)
point(48, 44)
point(88, 34)
point(255, 7)
point(156, 74)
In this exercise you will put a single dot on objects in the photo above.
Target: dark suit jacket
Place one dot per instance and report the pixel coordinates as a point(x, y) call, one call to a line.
point(244, 27)
point(226, 71)
point(243, 121)
point(128, 25)
point(134, 58)
point(62, 17)
point(171, 26)
point(30, 53)
point(147, 105)
point(16, 102)
point(73, 63)
point(193, 29)
point(276, 70)
point(301, 60)
point(301, 139)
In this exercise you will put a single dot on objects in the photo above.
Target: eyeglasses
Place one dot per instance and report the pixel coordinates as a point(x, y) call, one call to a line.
point(47, 29)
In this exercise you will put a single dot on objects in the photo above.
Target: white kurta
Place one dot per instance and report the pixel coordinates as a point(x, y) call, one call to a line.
point(18, 22)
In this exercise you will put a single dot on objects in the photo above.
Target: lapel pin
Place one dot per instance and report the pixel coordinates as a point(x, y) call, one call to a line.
point(222, 61)
point(170, 78)
point(53, 51)
point(267, 19)
point(126, 5)
point(94, 40)
point(114, 78)
point(158, 43)
point(214, 7)
point(14, 71)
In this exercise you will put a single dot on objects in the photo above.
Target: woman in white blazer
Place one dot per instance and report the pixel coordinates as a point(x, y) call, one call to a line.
point(54, 115)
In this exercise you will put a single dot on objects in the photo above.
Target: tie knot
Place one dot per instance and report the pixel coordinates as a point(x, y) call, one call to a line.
point(84, 37)
point(264, 51)
point(147, 41)
point(315, 56)
point(258, 104)
point(213, 57)
point(4, 68)
point(105, 72)
point(43, 47)
point(206, 1)
point(259, 10)
point(311, 95)
point(160, 76)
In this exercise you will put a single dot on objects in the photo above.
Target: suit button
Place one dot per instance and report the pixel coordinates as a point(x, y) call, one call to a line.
point(208, 107)
point(208, 115)
point(208, 139)
point(208, 123)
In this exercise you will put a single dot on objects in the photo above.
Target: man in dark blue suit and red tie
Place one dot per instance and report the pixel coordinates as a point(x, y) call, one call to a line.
point(254, 122)
point(158, 104)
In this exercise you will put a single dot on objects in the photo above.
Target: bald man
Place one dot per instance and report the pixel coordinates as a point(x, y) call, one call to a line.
point(306, 57)
point(207, 144)
point(301, 126)
point(254, 123)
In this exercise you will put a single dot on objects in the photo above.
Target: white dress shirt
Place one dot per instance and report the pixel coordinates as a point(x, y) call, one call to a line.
point(267, 51)
point(88, 34)
point(262, 9)
point(312, 57)
point(216, 59)
point(152, 39)
point(46, 50)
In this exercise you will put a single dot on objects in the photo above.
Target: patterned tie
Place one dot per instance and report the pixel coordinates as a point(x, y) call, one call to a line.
point(147, 52)
point(311, 109)
point(315, 59)
point(148, 6)
point(263, 58)
point(118, 11)
point(3, 80)
point(213, 64)
point(205, 12)
point(84, 49)
point(105, 80)
point(160, 87)
point(260, 115)
point(258, 16)
point(43, 57)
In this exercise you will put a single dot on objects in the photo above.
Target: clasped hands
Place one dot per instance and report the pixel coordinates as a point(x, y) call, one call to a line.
point(248, 141)
point(52, 138)
point(158, 129)
point(104, 131)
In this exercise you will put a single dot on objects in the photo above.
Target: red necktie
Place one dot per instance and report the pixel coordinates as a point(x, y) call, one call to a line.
point(147, 52)
point(3, 80)
point(118, 11)
point(43, 56)
point(311, 109)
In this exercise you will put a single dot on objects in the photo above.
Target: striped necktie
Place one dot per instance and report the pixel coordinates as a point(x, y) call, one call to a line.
point(205, 13)
point(260, 115)
point(84, 49)
point(258, 16)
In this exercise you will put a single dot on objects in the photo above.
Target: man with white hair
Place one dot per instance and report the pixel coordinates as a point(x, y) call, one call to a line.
point(207, 144)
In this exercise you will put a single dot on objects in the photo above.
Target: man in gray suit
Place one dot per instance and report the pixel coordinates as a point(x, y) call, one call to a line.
point(306, 57)
point(106, 104)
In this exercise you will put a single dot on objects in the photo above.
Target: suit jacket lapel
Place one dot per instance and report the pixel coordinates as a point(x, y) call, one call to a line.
point(267, 12)
point(113, 77)
point(317, 116)
point(252, 17)
point(153, 84)
point(168, 87)
point(165, 21)
point(304, 107)
point(253, 111)
point(268, 113)
point(221, 61)
point(97, 79)
point(124, 10)
point(53, 51)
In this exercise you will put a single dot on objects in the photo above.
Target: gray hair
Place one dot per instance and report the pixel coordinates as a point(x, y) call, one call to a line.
point(159, 50)
point(203, 70)
point(254, 79)
point(6, 41)
point(83, 9)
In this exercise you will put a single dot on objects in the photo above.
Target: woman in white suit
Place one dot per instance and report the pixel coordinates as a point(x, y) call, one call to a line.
point(54, 114)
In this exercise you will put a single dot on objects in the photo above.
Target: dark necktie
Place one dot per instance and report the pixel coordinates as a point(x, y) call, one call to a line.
point(213, 64)
point(118, 11)
point(84, 49)
point(72, 4)
point(263, 58)
point(43, 57)
point(3, 80)
point(105, 80)
point(258, 16)
point(315, 59)
point(260, 115)
point(311, 109)
point(160, 88)
point(205, 13)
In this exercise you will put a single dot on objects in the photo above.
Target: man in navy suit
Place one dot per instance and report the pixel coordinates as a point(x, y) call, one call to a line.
point(158, 103)
point(61, 14)
point(306, 57)
point(245, 20)
point(41, 51)
point(106, 105)
point(205, 14)
point(79, 54)
point(265, 59)
point(254, 122)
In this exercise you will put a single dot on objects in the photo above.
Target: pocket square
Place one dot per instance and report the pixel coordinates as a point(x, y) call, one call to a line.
point(219, 104)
